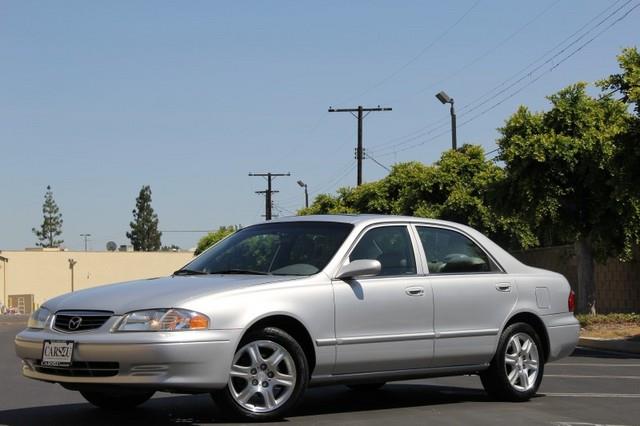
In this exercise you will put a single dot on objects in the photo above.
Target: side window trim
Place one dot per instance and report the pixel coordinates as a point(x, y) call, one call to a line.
point(473, 240)
point(422, 266)
point(412, 239)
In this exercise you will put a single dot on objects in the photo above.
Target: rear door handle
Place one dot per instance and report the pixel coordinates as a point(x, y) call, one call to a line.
point(414, 291)
point(506, 287)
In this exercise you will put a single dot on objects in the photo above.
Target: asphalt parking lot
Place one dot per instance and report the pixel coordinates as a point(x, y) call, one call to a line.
point(590, 387)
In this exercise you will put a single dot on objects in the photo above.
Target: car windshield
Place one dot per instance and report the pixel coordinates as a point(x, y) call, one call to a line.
point(287, 248)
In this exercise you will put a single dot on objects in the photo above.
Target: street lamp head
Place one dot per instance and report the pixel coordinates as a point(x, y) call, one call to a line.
point(301, 183)
point(444, 98)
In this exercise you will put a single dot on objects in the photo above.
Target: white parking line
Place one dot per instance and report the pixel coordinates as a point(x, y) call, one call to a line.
point(577, 376)
point(582, 424)
point(593, 395)
point(557, 364)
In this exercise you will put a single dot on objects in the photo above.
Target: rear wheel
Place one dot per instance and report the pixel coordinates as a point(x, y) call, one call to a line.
point(268, 377)
point(515, 373)
point(116, 400)
point(366, 387)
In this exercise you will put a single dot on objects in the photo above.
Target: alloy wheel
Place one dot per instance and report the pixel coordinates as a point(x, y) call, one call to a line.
point(263, 376)
point(521, 362)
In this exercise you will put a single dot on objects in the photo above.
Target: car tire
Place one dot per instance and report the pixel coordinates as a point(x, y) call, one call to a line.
point(116, 400)
point(366, 387)
point(268, 377)
point(516, 371)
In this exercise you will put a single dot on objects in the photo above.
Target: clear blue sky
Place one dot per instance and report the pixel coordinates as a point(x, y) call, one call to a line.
point(100, 98)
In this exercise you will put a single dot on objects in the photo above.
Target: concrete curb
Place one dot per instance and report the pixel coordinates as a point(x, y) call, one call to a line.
point(615, 345)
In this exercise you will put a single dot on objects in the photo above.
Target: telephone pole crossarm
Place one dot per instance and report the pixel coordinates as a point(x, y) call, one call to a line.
point(360, 117)
point(268, 192)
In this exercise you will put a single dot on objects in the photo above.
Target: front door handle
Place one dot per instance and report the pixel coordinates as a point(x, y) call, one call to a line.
point(506, 287)
point(414, 291)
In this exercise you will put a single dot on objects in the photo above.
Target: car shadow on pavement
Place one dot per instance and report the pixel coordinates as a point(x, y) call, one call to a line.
point(171, 410)
point(199, 409)
point(597, 353)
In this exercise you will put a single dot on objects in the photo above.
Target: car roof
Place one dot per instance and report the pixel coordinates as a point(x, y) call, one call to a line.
point(357, 219)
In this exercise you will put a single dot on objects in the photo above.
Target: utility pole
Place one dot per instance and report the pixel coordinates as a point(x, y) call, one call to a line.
point(268, 201)
point(360, 116)
point(5, 299)
point(86, 237)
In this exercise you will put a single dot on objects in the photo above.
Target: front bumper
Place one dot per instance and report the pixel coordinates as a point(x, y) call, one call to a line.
point(172, 361)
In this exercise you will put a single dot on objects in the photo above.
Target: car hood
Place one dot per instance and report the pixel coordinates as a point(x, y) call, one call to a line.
point(166, 292)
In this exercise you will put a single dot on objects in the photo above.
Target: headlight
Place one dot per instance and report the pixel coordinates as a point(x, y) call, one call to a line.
point(38, 319)
point(163, 320)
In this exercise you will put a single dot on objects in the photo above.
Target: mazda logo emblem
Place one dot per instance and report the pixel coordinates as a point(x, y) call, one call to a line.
point(74, 323)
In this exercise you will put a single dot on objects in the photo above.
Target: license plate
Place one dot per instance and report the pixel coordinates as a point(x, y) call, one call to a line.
point(57, 353)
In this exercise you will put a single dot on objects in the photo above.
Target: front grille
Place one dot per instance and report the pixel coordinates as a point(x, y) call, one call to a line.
point(74, 321)
point(80, 369)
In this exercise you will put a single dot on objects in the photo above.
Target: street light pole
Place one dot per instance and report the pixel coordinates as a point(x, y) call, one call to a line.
point(306, 193)
point(446, 99)
point(454, 138)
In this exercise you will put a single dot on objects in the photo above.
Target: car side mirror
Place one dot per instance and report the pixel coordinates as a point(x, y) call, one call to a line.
point(360, 268)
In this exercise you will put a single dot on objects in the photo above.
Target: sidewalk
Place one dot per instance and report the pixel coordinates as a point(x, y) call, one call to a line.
point(14, 318)
point(615, 345)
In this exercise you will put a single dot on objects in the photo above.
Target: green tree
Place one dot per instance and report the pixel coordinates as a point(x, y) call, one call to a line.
point(626, 160)
point(213, 237)
point(144, 234)
point(560, 176)
point(459, 187)
point(627, 82)
point(51, 227)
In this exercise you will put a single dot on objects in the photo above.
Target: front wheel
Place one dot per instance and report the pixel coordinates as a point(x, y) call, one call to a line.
point(116, 400)
point(515, 373)
point(267, 379)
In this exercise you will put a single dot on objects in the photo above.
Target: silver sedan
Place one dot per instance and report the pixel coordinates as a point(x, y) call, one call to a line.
point(276, 307)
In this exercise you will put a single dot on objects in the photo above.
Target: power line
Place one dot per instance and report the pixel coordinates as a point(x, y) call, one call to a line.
point(548, 61)
point(415, 58)
point(281, 209)
point(564, 59)
point(490, 50)
point(547, 52)
point(395, 147)
point(377, 162)
point(418, 133)
point(268, 192)
point(443, 122)
point(486, 154)
point(335, 181)
point(360, 117)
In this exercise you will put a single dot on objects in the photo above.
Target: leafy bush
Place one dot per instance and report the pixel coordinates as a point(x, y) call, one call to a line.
point(587, 320)
point(213, 237)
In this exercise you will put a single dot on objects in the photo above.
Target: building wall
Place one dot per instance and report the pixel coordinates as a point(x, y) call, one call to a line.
point(46, 274)
point(617, 283)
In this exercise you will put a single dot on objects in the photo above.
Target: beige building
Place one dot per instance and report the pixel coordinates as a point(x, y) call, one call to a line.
point(46, 273)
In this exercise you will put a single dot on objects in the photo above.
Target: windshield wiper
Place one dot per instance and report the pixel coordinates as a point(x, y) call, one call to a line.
point(239, 271)
point(189, 272)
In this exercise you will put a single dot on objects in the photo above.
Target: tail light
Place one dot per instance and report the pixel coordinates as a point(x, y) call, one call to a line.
point(571, 302)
